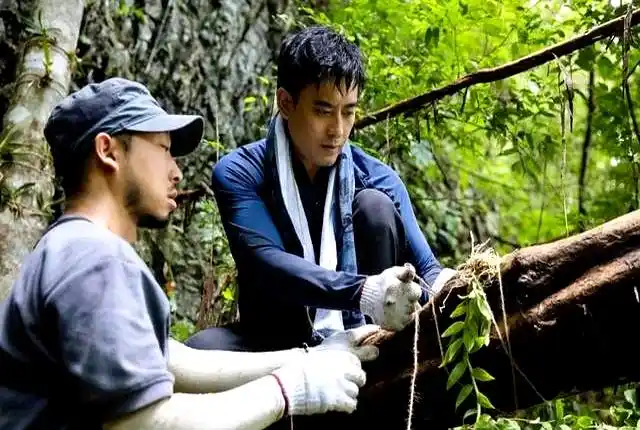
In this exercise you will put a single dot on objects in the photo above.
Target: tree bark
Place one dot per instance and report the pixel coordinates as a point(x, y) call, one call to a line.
point(43, 77)
point(572, 310)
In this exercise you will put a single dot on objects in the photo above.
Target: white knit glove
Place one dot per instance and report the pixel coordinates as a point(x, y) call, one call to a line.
point(320, 383)
point(350, 340)
point(390, 298)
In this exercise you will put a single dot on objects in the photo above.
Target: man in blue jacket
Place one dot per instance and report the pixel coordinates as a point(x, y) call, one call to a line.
point(322, 233)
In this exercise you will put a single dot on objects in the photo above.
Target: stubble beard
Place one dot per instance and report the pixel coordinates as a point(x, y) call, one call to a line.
point(134, 206)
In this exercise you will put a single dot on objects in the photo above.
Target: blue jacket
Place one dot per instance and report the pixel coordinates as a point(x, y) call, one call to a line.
point(275, 282)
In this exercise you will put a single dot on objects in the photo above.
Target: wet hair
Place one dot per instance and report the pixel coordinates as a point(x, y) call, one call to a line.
point(316, 55)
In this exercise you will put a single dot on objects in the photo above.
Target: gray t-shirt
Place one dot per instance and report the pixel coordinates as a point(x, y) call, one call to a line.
point(83, 334)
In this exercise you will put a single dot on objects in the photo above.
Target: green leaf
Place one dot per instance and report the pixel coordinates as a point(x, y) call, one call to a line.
point(464, 393)
point(452, 352)
point(630, 396)
point(479, 343)
point(605, 67)
point(469, 340)
point(487, 339)
point(472, 323)
point(586, 58)
point(461, 309)
point(453, 329)
point(456, 373)
point(469, 413)
point(484, 401)
point(227, 294)
point(508, 424)
point(546, 425)
point(584, 422)
point(481, 375)
point(559, 406)
point(483, 307)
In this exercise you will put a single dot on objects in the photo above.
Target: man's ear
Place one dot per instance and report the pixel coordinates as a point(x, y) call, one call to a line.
point(285, 102)
point(108, 151)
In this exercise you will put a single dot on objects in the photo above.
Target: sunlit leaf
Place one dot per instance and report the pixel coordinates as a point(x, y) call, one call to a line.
point(453, 329)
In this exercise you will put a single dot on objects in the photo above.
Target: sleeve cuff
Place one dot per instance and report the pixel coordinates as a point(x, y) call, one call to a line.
point(369, 298)
point(138, 399)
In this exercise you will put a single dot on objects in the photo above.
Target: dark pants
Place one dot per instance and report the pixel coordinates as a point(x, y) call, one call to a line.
point(380, 243)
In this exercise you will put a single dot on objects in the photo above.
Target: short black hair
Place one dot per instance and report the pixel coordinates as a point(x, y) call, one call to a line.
point(318, 54)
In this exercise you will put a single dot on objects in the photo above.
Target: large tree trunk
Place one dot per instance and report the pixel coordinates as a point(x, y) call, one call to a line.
point(42, 80)
point(572, 308)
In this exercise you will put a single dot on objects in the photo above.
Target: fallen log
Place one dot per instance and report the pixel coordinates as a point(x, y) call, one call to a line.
point(572, 309)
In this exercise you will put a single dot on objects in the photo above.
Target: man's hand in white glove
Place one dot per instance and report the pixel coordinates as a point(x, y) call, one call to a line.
point(321, 383)
point(390, 298)
point(350, 340)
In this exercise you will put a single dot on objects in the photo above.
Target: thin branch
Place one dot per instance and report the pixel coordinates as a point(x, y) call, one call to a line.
point(195, 194)
point(628, 22)
point(585, 152)
point(505, 71)
point(158, 35)
point(505, 241)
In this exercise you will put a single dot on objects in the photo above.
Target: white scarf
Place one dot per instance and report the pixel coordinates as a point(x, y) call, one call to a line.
point(325, 319)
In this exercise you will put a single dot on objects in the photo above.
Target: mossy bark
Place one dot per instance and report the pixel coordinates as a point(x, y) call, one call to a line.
point(43, 74)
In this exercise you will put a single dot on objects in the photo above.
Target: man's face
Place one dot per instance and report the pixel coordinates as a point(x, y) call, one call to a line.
point(320, 122)
point(151, 178)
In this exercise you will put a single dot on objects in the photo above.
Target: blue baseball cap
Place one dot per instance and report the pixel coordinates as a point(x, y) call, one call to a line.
point(113, 106)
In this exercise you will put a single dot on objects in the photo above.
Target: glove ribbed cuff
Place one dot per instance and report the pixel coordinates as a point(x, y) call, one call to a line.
point(284, 395)
point(293, 382)
point(370, 297)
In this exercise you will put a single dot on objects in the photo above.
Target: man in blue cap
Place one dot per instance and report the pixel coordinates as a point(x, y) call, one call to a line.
point(84, 338)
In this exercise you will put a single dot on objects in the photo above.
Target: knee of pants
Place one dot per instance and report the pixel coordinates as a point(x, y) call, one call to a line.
point(216, 338)
point(373, 210)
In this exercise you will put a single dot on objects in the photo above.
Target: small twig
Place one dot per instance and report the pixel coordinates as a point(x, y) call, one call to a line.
point(585, 151)
point(625, 76)
point(386, 138)
point(194, 194)
point(568, 84)
point(161, 29)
